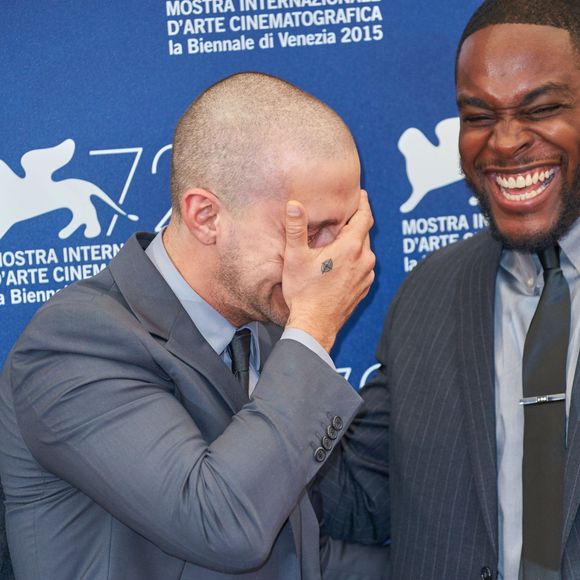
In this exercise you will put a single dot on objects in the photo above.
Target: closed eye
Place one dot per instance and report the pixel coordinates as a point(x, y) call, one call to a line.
point(322, 237)
point(477, 120)
point(312, 237)
point(321, 233)
point(544, 111)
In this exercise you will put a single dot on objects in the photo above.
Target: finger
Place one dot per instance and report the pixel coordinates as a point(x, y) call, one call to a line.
point(362, 220)
point(365, 208)
point(368, 284)
point(367, 242)
point(296, 225)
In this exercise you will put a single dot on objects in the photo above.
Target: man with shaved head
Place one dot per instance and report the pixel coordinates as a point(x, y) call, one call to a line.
point(162, 420)
point(477, 475)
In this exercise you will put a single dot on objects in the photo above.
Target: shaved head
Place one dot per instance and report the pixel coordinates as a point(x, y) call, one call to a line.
point(230, 139)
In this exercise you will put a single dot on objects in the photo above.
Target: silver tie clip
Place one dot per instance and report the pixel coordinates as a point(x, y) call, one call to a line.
point(543, 399)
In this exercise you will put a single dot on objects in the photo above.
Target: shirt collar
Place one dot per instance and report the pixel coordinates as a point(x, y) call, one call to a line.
point(214, 328)
point(570, 245)
point(525, 268)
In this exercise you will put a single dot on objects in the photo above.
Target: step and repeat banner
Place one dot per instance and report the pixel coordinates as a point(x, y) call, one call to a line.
point(92, 89)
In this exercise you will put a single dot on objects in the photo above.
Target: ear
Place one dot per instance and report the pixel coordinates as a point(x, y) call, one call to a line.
point(200, 210)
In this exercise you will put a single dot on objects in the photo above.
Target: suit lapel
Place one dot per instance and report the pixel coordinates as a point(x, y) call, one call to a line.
point(158, 309)
point(475, 302)
point(187, 344)
point(476, 328)
point(268, 336)
point(572, 470)
point(296, 526)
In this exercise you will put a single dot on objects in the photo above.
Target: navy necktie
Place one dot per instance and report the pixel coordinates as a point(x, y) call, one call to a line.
point(544, 389)
point(239, 351)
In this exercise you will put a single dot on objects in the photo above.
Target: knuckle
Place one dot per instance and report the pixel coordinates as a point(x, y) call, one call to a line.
point(294, 231)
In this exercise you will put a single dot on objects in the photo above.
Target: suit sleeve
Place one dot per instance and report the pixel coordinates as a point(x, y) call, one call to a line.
point(352, 491)
point(353, 488)
point(345, 561)
point(6, 572)
point(96, 410)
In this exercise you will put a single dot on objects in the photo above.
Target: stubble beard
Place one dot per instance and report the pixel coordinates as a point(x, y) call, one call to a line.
point(240, 300)
point(570, 197)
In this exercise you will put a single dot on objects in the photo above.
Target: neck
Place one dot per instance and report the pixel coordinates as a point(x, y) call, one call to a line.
point(196, 262)
point(190, 258)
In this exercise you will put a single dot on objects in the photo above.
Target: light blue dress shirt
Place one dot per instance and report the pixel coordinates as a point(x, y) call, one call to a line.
point(211, 324)
point(519, 285)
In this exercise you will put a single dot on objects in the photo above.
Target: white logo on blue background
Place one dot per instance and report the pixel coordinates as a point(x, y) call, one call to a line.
point(37, 193)
point(430, 167)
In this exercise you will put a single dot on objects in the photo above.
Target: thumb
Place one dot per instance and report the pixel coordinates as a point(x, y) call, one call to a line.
point(296, 225)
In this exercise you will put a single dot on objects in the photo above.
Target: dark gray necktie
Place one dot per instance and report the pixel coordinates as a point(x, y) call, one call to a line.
point(239, 351)
point(544, 388)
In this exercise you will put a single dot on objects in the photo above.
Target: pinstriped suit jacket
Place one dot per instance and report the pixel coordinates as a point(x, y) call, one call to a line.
point(419, 464)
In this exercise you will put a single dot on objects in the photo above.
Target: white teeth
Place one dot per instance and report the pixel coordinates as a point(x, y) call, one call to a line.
point(521, 196)
point(523, 181)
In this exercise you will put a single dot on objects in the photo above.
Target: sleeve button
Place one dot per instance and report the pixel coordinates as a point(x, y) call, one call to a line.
point(486, 573)
point(326, 442)
point(331, 432)
point(337, 423)
point(319, 454)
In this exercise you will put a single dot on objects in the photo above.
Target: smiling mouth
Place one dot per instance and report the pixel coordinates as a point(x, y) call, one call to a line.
point(524, 186)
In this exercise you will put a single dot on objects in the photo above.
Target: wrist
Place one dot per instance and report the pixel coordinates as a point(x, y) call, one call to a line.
point(324, 336)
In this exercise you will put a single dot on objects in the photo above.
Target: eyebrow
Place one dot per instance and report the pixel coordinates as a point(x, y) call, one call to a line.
point(558, 88)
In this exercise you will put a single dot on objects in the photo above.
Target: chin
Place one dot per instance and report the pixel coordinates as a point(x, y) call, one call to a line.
point(530, 239)
point(279, 316)
point(277, 311)
point(270, 312)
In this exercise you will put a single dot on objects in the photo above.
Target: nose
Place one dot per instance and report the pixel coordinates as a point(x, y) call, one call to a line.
point(510, 138)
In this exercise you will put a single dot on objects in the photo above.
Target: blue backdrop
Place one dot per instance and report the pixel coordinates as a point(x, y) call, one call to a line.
point(91, 91)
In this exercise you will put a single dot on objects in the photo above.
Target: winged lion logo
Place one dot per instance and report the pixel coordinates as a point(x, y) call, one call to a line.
point(37, 193)
point(430, 166)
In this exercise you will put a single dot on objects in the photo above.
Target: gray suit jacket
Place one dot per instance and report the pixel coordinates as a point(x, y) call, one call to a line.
point(6, 572)
point(130, 452)
point(419, 464)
